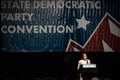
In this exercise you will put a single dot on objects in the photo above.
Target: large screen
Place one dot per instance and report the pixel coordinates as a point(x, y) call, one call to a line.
point(60, 25)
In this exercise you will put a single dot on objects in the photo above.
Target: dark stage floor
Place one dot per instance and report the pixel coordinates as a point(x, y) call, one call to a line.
point(55, 66)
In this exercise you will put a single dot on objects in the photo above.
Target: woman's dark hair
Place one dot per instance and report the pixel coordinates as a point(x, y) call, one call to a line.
point(85, 54)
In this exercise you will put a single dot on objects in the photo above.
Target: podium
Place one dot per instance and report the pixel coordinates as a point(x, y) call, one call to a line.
point(88, 71)
point(88, 68)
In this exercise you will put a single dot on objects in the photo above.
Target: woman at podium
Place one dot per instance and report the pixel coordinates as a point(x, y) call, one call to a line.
point(84, 60)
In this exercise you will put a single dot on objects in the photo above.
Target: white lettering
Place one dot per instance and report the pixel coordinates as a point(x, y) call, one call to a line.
point(16, 16)
point(36, 29)
point(51, 4)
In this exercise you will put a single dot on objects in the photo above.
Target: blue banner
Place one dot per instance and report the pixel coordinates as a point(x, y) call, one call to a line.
point(60, 25)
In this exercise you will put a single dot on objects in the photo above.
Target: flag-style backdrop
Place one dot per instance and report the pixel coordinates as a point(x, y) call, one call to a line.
point(60, 25)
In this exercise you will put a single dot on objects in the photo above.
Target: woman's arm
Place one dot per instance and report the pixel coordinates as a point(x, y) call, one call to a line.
point(89, 62)
point(78, 66)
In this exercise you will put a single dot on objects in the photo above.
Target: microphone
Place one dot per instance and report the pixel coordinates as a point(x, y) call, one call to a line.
point(87, 61)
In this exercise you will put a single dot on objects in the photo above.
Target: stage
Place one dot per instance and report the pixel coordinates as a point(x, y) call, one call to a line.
point(55, 66)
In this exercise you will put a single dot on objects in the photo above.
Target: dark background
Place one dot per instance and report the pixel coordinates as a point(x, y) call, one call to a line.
point(56, 65)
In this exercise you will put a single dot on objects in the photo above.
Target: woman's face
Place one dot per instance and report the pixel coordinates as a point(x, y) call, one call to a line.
point(84, 56)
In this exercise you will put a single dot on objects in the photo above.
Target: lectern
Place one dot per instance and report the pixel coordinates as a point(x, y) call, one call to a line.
point(88, 71)
point(88, 68)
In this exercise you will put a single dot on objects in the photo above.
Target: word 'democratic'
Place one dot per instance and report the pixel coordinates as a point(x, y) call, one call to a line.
point(29, 15)
point(51, 4)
